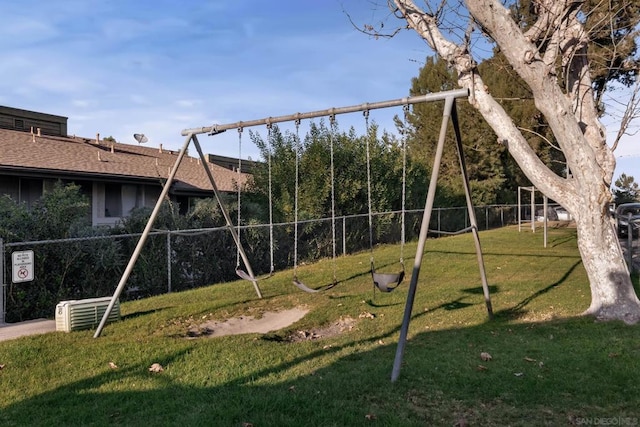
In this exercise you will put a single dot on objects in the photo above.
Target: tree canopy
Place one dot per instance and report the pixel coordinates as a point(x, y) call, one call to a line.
point(559, 52)
point(626, 190)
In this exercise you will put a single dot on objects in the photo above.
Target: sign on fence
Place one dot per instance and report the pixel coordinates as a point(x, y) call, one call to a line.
point(22, 266)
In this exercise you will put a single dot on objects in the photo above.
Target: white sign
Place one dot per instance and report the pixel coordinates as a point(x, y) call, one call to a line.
point(22, 266)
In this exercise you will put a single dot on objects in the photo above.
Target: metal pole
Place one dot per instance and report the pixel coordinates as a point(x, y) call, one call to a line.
point(545, 204)
point(519, 209)
point(3, 291)
point(533, 209)
point(438, 96)
point(143, 238)
point(424, 228)
point(472, 212)
point(486, 217)
point(344, 235)
point(630, 243)
point(227, 218)
point(169, 261)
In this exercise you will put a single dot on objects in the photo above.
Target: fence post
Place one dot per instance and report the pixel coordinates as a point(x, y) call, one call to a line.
point(630, 243)
point(344, 236)
point(486, 217)
point(3, 288)
point(519, 214)
point(545, 205)
point(169, 261)
point(533, 209)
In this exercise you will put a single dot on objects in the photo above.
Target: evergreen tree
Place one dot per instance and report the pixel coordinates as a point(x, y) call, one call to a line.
point(493, 175)
point(626, 190)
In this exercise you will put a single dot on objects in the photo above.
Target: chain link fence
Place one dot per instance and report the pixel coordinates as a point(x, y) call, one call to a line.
point(177, 260)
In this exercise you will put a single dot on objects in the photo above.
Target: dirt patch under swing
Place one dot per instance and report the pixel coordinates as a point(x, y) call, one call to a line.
point(270, 322)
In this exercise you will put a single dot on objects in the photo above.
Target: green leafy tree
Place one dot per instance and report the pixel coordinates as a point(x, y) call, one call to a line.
point(69, 269)
point(350, 181)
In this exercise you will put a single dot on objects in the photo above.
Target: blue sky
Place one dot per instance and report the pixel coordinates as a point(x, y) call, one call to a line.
point(119, 67)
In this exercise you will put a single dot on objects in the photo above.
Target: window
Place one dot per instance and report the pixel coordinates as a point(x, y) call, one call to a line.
point(30, 191)
point(10, 186)
point(112, 200)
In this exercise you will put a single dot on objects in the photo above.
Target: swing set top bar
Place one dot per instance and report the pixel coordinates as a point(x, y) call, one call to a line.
point(438, 96)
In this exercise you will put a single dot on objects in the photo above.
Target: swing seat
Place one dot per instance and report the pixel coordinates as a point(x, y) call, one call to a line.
point(244, 275)
point(305, 288)
point(384, 281)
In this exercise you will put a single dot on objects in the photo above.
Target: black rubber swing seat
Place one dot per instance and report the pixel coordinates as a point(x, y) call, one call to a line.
point(305, 288)
point(244, 275)
point(387, 282)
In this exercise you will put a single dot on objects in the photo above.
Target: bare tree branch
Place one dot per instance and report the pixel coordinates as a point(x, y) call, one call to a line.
point(631, 113)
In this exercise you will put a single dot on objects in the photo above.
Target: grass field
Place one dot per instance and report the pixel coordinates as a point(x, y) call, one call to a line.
point(548, 366)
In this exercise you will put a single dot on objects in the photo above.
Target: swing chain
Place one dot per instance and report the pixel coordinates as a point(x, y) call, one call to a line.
point(297, 122)
point(239, 216)
point(406, 110)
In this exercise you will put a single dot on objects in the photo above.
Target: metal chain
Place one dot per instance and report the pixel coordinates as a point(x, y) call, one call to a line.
point(370, 215)
point(271, 243)
point(405, 108)
point(332, 122)
point(295, 208)
point(238, 184)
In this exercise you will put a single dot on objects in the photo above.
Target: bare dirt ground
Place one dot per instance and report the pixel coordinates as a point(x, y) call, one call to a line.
point(336, 328)
point(270, 322)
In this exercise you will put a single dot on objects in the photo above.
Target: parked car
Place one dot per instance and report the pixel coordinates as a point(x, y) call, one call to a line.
point(554, 213)
point(622, 218)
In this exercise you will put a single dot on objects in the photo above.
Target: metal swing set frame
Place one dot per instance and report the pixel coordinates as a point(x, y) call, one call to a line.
point(449, 114)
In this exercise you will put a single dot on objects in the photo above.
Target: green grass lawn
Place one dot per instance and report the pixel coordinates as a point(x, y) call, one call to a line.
point(549, 366)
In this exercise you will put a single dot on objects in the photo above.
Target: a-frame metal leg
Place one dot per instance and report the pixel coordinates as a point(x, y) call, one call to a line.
point(424, 229)
point(152, 218)
point(143, 238)
point(448, 113)
point(472, 212)
point(227, 218)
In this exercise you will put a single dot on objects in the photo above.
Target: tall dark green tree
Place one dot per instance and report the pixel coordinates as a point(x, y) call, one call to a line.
point(494, 176)
point(626, 190)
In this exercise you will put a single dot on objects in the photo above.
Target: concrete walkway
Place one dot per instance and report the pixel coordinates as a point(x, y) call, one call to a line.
point(9, 331)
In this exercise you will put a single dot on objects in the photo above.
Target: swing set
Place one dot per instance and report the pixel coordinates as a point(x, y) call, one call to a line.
point(385, 282)
point(297, 282)
point(239, 271)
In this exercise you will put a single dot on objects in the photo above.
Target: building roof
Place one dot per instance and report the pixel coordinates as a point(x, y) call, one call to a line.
point(27, 153)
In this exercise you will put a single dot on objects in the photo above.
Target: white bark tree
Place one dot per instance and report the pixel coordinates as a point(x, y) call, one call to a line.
point(568, 104)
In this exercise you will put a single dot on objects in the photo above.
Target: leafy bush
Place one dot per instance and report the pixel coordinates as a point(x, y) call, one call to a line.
point(76, 267)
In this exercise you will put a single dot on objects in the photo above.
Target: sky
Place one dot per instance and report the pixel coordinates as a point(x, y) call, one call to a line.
point(119, 67)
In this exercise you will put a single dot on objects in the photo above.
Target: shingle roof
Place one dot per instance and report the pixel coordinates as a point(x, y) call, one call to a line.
point(22, 151)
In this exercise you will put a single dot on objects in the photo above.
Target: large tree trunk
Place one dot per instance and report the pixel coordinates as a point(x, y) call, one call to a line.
point(572, 115)
point(612, 295)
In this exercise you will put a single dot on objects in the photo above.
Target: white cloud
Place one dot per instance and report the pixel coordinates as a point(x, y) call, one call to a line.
point(127, 67)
